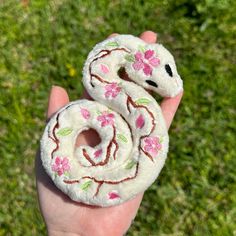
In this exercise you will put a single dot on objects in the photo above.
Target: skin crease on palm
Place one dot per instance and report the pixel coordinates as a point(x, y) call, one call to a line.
point(65, 217)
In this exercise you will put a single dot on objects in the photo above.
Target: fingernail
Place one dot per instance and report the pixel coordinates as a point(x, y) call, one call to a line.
point(53, 87)
point(152, 32)
point(113, 35)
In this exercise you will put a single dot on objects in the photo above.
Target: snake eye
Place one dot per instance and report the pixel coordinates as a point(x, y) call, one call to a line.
point(152, 83)
point(168, 70)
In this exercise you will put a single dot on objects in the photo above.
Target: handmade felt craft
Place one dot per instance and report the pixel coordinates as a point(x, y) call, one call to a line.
point(134, 137)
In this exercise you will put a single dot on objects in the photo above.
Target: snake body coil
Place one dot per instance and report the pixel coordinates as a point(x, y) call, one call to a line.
point(129, 121)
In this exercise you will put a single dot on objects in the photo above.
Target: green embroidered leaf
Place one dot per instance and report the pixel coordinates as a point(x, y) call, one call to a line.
point(142, 101)
point(122, 138)
point(130, 57)
point(130, 164)
point(64, 131)
point(98, 112)
point(161, 139)
point(86, 185)
point(112, 44)
point(66, 174)
point(141, 48)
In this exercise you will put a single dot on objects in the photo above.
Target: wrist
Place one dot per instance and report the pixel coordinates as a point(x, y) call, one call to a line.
point(61, 233)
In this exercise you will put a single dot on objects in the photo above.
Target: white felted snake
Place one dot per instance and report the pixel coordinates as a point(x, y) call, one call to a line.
point(134, 137)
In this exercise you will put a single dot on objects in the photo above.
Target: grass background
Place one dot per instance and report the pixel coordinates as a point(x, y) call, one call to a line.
point(46, 42)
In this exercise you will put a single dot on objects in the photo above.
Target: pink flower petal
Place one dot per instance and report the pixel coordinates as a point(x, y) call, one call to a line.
point(148, 54)
point(100, 118)
point(104, 68)
point(140, 122)
point(66, 167)
point(138, 65)
point(110, 122)
point(108, 94)
point(118, 89)
point(113, 85)
point(85, 113)
point(138, 56)
point(104, 123)
point(154, 61)
point(54, 167)
point(159, 146)
point(97, 153)
point(110, 115)
point(147, 69)
point(147, 141)
point(108, 87)
point(154, 140)
point(113, 195)
point(65, 161)
point(60, 172)
point(58, 161)
point(154, 152)
point(148, 148)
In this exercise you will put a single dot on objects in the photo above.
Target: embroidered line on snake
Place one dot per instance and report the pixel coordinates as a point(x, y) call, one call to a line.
point(134, 138)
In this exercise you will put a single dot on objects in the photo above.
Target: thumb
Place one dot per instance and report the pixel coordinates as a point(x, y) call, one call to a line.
point(169, 107)
point(57, 99)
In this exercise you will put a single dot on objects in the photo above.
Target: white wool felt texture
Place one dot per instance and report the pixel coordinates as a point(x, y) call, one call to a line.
point(134, 137)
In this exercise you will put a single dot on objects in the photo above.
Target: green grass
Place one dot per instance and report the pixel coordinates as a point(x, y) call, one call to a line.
point(39, 44)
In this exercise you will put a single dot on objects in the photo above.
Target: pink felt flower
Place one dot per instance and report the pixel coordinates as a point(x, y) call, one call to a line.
point(145, 61)
point(106, 118)
point(140, 122)
point(61, 165)
point(97, 153)
point(85, 113)
point(113, 195)
point(112, 90)
point(152, 145)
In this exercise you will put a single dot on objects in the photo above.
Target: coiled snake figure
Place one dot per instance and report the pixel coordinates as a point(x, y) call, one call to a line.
point(134, 137)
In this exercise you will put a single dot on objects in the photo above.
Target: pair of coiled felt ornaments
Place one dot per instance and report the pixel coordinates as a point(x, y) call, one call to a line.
point(134, 137)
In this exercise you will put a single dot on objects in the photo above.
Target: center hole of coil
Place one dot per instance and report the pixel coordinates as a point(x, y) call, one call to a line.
point(89, 137)
point(122, 74)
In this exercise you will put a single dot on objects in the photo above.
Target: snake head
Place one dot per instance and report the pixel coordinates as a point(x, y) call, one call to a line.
point(164, 78)
point(154, 68)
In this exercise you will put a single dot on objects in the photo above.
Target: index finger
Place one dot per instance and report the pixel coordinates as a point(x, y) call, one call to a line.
point(169, 107)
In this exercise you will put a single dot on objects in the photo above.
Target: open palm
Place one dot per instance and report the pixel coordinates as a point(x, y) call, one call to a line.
point(65, 217)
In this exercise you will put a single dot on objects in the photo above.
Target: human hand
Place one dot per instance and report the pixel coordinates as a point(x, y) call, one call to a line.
point(66, 217)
